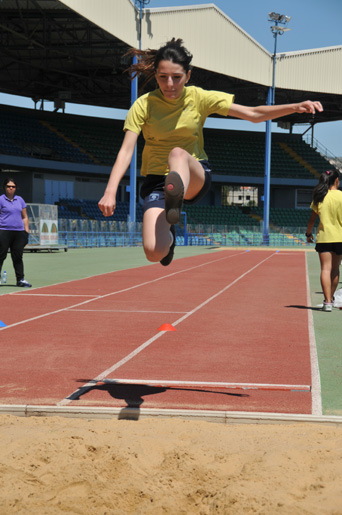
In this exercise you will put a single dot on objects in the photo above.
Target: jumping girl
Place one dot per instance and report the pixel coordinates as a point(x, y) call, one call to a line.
point(174, 162)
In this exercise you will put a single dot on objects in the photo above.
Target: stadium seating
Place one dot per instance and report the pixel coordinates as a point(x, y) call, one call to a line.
point(246, 217)
point(27, 136)
point(218, 215)
point(78, 209)
point(56, 137)
point(95, 141)
point(243, 153)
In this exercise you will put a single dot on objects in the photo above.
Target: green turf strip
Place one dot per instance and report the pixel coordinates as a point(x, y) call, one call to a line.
point(328, 332)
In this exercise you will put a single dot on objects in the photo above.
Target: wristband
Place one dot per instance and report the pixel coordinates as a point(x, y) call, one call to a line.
point(308, 235)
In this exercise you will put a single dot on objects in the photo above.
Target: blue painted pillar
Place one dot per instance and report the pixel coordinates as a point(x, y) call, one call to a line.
point(133, 166)
point(267, 178)
point(185, 228)
point(268, 143)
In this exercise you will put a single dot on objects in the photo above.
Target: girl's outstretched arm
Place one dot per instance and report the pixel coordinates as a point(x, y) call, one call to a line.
point(262, 113)
point(108, 201)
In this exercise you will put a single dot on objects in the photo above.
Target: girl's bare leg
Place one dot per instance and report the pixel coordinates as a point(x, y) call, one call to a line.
point(330, 273)
point(156, 229)
point(156, 234)
point(190, 170)
point(326, 270)
point(335, 273)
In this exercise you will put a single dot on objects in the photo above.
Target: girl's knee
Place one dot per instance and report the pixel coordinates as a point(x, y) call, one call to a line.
point(153, 254)
point(178, 152)
point(335, 272)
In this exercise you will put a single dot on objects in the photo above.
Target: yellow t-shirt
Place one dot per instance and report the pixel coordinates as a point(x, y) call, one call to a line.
point(330, 217)
point(167, 124)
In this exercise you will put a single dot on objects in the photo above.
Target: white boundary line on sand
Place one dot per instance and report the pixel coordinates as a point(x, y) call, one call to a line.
point(74, 395)
point(223, 417)
point(316, 395)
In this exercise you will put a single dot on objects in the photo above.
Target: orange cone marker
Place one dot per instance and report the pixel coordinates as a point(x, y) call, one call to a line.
point(166, 327)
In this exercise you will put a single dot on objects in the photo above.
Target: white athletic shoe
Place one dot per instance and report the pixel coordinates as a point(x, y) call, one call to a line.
point(327, 306)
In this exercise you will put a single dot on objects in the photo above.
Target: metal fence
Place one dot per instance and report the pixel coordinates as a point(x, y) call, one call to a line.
point(83, 239)
point(92, 233)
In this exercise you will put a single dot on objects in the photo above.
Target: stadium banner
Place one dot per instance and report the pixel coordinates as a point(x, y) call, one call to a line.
point(48, 232)
point(43, 221)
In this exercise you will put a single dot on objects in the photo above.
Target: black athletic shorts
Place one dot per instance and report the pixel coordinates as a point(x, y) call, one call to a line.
point(152, 190)
point(329, 247)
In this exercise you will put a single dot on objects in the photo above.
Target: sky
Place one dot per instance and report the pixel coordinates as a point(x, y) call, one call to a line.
point(313, 24)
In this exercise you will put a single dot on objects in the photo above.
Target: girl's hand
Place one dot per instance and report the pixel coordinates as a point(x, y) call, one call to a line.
point(309, 107)
point(107, 204)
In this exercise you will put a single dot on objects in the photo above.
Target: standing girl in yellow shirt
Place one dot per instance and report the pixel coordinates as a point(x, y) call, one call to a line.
point(174, 162)
point(327, 204)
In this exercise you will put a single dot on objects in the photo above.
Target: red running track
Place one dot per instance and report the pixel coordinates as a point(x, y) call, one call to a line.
point(240, 343)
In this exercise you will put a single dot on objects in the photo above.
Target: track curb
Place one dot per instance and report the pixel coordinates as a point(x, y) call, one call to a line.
point(223, 417)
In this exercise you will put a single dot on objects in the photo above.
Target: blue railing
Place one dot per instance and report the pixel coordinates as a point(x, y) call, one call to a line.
point(235, 237)
point(78, 239)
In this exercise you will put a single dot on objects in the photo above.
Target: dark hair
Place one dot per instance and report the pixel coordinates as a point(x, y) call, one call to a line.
point(148, 60)
point(7, 180)
point(326, 180)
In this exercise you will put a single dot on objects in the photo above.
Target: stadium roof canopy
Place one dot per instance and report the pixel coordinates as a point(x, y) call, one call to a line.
point(73, 51)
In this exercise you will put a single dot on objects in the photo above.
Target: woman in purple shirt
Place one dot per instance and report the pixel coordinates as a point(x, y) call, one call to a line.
point(14, 229)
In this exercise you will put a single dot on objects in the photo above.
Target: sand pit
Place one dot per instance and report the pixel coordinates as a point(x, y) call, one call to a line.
point(53, 465)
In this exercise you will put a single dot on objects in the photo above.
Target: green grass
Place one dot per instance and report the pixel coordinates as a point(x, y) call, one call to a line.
point(328, 341)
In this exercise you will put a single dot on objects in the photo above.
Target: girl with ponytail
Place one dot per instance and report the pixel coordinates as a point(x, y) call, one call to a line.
point(174, 162)
point(327, 204)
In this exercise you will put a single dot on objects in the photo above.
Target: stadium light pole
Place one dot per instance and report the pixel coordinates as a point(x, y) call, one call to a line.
point(280, 20)
point(134, 96)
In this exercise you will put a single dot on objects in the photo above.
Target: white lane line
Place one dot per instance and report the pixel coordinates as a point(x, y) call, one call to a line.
point(80, 279)
point(205, 384)
point(316, 397)
point(15, 324)
point(105, 273)
point(54, 295)
point(143, 346)
point(124, 311)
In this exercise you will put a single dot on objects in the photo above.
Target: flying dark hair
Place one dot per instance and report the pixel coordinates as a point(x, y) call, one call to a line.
point(7, 180)
point(326, 180)
point(148, 60)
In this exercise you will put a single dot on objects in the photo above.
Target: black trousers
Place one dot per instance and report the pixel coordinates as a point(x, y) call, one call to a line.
point(14, 241)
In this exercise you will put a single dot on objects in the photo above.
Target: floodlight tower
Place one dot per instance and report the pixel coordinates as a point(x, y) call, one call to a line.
point(134, 95)
point(278, 29)
point(280, 20)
